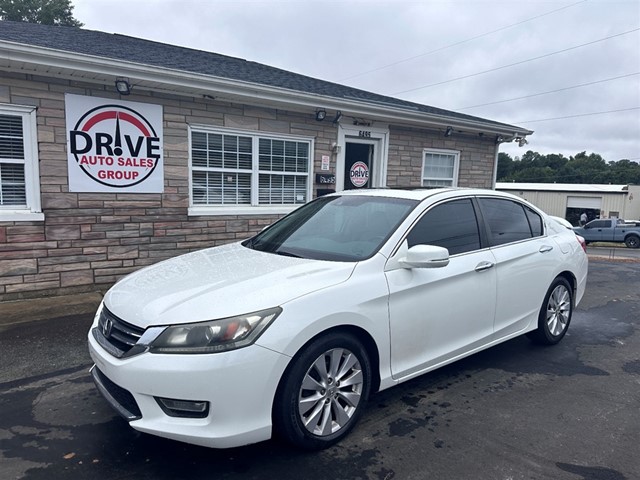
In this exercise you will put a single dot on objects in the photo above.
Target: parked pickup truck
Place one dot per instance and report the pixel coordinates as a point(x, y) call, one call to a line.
point(611, 230)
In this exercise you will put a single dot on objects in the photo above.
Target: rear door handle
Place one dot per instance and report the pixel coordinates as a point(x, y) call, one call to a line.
point(482, 266)
point(545, 248)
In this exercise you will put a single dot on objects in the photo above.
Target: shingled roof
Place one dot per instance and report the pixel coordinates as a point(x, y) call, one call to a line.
point(155, 54)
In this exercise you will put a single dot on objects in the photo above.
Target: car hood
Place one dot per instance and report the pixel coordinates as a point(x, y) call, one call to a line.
point(217, 283)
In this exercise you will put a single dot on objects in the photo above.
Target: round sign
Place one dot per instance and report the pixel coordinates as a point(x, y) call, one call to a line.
point(359, 174)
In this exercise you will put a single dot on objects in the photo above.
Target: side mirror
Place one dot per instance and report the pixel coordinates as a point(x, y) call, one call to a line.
point(425, 256)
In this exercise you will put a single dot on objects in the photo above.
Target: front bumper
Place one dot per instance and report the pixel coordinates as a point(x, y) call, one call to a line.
point(239, 385)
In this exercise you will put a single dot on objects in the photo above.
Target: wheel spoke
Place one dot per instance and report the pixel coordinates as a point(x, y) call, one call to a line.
point(321, 367)
point(334, 362)
point(352, 398)
point(310, 383)
point(314, 419)
point(349, 361)
point(340, 414)
point(355, 378)
point(326, 425)
point(307, 403)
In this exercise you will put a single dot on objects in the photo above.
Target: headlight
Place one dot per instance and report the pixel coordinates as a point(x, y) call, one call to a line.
point(96, 317)
point(216, 335)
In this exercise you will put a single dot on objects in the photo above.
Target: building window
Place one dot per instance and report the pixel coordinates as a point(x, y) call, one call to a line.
point(19, 173)
point(440, 168)
point(248, 170)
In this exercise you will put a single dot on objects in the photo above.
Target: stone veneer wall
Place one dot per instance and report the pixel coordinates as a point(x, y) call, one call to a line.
point(477, 156)
point(89, 240)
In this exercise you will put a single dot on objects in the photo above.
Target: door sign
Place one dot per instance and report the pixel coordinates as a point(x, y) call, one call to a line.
point(359, 174)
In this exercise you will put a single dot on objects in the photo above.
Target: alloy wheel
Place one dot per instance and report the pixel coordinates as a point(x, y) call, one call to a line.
point(330, 392)
point(558, 310)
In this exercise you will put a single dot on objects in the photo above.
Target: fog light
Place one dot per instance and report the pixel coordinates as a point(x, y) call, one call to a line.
point(183, 408)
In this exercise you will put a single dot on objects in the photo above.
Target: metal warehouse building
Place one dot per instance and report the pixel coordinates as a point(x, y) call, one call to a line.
point(568, 200)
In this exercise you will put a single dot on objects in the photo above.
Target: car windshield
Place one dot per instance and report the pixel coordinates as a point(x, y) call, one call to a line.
point(339, 228)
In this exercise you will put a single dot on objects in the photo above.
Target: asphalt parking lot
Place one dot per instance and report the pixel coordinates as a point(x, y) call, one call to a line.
point(516, 411)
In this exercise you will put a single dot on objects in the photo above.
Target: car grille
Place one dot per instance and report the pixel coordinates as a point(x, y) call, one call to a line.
point(119, 398)
point(115, 335)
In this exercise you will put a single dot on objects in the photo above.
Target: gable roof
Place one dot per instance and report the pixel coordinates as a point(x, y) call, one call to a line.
point(122, 48)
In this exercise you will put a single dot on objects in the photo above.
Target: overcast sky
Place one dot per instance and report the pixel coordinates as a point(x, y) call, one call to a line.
point(418, 50)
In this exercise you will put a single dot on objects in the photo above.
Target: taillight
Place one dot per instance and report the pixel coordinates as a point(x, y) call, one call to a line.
point(583, 244)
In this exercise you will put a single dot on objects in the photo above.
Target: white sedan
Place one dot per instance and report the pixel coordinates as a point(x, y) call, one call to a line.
point(293, 329)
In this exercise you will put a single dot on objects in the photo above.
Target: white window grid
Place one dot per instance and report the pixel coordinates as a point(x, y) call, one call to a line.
point(245, 169)
point(440, 168)
point(19, 172)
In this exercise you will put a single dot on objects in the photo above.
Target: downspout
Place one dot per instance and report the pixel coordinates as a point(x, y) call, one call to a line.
point(495, 167)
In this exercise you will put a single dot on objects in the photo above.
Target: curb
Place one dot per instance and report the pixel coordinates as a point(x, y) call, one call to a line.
point(24, 311)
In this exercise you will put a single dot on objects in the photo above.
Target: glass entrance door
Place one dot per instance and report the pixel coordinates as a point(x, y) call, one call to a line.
point(358, 165)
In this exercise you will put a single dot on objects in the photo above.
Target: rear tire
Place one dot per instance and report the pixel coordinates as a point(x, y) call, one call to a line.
point(323, 393)
point(555, 313)
point(632, 241)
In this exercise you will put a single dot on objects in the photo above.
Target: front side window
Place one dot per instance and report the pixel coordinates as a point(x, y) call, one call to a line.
point(451, 225)
point(507, 221)
point(598, 224)
point(440, 168)
point(248, 170)
point(19, 178)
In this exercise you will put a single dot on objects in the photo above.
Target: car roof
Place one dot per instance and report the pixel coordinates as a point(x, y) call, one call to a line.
point(421, 194)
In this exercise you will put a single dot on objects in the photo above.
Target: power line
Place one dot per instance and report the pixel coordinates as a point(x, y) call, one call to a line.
point(547, 92)
point(517, 63)
point(578, 115)
point(404, 60)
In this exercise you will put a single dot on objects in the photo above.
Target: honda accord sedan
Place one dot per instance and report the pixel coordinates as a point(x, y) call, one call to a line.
point(291, 331)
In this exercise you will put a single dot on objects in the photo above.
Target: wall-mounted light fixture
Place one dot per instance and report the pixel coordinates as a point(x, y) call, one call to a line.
point(321, 114)
point(521, 141)
point(337, 118)
point(448, 131)
point(499, 139)
point(123, 86)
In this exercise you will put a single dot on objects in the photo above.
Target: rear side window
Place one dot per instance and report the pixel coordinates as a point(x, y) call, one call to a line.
point(507, 220)
point(451, 225)
point(535, 222)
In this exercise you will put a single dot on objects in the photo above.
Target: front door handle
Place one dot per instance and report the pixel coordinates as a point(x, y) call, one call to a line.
point(545, 248)
point(482, 266)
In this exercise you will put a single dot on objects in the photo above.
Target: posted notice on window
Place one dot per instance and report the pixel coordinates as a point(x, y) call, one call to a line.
point(113, 145)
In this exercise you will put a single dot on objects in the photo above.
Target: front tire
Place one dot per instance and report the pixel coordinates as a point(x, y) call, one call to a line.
point(632, 241)
point(555, 313)
point(323, 393)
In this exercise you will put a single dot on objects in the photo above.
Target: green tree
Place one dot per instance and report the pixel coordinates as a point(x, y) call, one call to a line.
point(505, 166)
point(588, 168)
point(47, 12)
point(534, 167)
